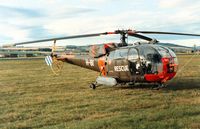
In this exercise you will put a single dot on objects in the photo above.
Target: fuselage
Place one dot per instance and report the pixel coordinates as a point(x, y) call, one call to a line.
point(140, 63)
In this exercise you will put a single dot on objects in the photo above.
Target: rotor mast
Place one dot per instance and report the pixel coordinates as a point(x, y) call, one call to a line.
point(123, 38)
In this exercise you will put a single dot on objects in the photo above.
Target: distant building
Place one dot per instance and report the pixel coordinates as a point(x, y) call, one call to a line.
point(14, 52)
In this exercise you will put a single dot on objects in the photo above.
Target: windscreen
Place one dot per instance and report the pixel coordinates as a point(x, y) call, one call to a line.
point(167, 52)
point(149, 53)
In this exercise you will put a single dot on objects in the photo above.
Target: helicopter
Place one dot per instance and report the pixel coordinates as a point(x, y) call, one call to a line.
point(121, 63)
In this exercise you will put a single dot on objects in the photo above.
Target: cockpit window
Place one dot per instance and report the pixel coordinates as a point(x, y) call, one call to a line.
point(149, 53)
point(171, 52)
point(132, 54)
point(173, 55)
point(167, 52)
point(163, 51)
point(121, 53)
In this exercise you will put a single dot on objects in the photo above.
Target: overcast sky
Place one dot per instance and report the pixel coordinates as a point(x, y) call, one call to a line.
point(22, 20)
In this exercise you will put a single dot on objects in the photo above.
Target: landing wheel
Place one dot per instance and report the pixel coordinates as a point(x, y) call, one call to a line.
point(93, 86)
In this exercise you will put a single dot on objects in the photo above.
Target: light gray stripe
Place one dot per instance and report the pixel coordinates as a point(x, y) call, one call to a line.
point(50, 61)
point(47, 62)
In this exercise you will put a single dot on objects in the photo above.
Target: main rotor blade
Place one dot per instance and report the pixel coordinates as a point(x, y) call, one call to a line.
point(166, 33)
point(63, 38)
point(139, 36)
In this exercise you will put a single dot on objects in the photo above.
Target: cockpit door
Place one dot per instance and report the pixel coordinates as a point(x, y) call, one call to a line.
point(133, 59)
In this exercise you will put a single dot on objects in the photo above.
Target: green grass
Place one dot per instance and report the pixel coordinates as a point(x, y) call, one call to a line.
point(32, 97)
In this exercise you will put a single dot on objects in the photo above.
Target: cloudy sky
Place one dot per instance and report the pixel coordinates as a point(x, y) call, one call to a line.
point(22, 20)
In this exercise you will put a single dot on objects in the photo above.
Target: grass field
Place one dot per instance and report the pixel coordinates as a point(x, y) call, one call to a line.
point(32, 97)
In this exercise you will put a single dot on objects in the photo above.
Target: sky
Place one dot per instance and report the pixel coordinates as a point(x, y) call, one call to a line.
point(24, 20)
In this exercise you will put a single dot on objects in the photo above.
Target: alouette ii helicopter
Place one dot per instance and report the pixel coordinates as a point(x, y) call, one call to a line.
point(121, 63)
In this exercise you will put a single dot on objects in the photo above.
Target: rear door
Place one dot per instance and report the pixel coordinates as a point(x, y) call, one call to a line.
point(110, 62)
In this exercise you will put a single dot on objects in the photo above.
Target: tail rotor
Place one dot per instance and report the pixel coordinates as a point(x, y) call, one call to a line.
point(52, 61)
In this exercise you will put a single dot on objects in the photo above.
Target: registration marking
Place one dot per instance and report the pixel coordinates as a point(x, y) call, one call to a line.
point(89, 62)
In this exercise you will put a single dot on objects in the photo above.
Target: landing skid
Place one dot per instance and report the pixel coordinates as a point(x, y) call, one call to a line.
point(159, 86)
point(154, 87)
